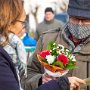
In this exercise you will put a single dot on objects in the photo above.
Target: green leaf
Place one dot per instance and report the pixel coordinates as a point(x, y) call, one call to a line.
point(58, 63)
point(50, 45)
point(71, 66)
point(71, 62)
point(43, 59)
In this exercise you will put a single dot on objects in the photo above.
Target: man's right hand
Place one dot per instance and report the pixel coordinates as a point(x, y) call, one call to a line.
point(46, 78)
point(75, 83)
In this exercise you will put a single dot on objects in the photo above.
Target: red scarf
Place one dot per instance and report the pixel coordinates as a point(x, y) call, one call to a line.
point(75, 40)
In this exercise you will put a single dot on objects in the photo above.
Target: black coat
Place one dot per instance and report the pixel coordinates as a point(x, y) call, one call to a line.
point(60, 84)
point(8, 76)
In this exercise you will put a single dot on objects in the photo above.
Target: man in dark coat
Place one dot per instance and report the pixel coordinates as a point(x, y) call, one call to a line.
point(8, 76)
point(75, 36)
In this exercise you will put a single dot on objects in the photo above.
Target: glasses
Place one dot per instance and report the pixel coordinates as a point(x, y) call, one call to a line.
point(24, 23)
point(80, 21)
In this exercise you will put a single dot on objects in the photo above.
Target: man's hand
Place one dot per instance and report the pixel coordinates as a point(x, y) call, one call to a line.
point(46, 78)
point(75, 83)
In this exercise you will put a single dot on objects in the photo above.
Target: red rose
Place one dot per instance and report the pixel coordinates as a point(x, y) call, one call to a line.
point(63, 59)
point(44, 53)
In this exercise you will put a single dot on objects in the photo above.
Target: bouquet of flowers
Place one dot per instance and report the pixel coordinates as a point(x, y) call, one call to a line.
point(56, 59)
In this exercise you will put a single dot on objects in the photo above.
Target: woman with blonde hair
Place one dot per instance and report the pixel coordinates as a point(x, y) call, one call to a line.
point(12, 25)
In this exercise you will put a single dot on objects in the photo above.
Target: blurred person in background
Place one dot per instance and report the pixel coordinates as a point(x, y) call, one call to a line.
point(35, 10)
point(49, 23)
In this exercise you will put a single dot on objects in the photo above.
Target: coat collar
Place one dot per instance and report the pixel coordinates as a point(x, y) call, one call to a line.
point(81, 48)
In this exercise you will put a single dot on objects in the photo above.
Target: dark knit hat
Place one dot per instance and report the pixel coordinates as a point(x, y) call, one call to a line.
point(49, 9)
point(79, 8)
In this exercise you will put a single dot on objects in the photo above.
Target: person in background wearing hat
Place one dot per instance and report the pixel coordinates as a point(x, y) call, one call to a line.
point(75, 36)
point(49, 23)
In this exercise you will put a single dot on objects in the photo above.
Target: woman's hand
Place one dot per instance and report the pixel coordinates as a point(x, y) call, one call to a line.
point(75, 83)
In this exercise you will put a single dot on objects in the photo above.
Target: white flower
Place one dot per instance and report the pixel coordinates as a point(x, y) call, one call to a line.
point(54, 43)
point(54, 48)
point(50, 59)
point(61, 47)
point(72, 57)
point(59, 52)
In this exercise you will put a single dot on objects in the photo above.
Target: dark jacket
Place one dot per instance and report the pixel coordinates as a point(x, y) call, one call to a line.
point(8, 76)
point(82, 53)
point(60, 84)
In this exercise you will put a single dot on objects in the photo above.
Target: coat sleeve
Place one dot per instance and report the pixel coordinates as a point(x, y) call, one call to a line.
point(8, 80)
point(61, 84)
point(34, 70)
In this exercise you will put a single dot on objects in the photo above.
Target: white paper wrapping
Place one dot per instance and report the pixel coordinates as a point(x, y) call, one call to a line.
point(56, 74)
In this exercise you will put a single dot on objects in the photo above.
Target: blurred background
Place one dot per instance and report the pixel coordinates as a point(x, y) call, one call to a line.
point(35, 12)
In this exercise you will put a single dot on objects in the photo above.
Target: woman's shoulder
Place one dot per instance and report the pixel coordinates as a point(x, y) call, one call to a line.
point(7, 70)
point(4, 54)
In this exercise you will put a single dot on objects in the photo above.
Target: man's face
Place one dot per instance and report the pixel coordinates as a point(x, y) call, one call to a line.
point(80, 21)
point(79, 27)
point(49, 16)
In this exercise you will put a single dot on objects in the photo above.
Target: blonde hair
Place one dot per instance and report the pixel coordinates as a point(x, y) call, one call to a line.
point(10, 10)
